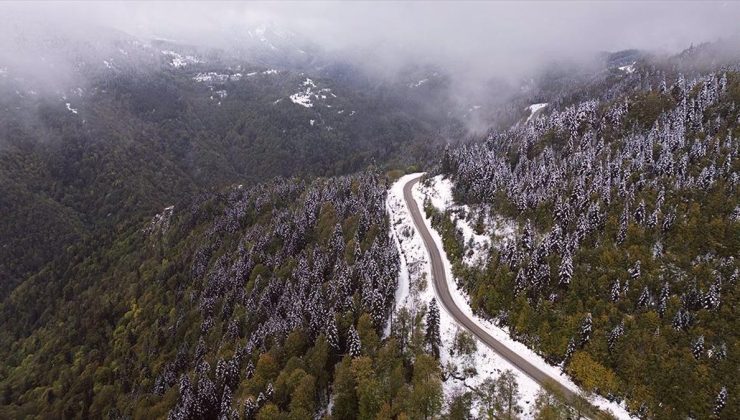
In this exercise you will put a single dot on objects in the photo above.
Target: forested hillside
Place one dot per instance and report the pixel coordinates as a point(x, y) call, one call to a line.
point(239, 304)
point(192, 231)
point(624, 266)
point(132, 134)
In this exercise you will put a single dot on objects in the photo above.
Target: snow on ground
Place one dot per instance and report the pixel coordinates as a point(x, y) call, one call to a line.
point(271, 71)
point(534, 108)
point(70, 109)
point(308, 92)
point(496, 231)
point(212, 76)
point(629, 69)
point(414, 290)
point(419, 83)
point(178, 60)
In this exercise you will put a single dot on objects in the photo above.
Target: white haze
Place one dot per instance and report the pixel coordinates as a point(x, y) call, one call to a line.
point(496, 38)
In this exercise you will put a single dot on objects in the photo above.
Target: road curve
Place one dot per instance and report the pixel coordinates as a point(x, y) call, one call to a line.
point(442, 289)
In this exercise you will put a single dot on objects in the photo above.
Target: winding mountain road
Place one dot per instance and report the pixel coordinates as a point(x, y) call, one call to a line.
point(441, 286)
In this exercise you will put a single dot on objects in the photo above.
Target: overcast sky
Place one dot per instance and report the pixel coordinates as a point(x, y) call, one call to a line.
point(483, 35)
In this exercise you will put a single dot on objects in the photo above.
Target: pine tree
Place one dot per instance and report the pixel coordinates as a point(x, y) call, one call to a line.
point(711, 298)
point(720, 401)
point(586, 329)
point(645, 299)
point(697, 349)
point(250, 409)
point(640, 212)
point(225, 411)
point(433, 335)
point(507, 396)
point(623, 222)
point(566, 269)
point(665, 292)
point(635, 271)
point(332, 336)
point(527, 239)
point(614, 335)
point(569, 351)
point(616, 291)
point(353, 342)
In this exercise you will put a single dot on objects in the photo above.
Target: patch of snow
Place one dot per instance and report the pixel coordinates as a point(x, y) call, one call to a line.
point(250, 74)
point(534, 108)
point(307, 93)
point(302, 99)
point(419, 83)
point(179, 61)
point(312, 122)
point(221, 93)
point(270, 71)
point(352, 113)
point(70, 109)
point(212, 76)
point(629, 69)
point(108, 65)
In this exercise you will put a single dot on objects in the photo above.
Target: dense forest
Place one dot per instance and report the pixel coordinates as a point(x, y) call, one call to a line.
point(624, 266)
point(189, 234)
point(126, 142)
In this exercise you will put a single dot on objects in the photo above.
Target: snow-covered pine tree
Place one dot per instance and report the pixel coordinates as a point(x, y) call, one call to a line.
point(226, 412)
point(616, 291)
point(569, 351)
point(697, 349)
point(640, 212)
point(250, 409)
point(566, 269)
point(354, 347)
point(645, 300)
point(623, 222)
point(332, 336)
point(665, 292)
point(720, 401)
point(527, 237)
point(433, 335)
point(586, 329)
point(712, 298)
point(614, 335)
point(635, 272)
